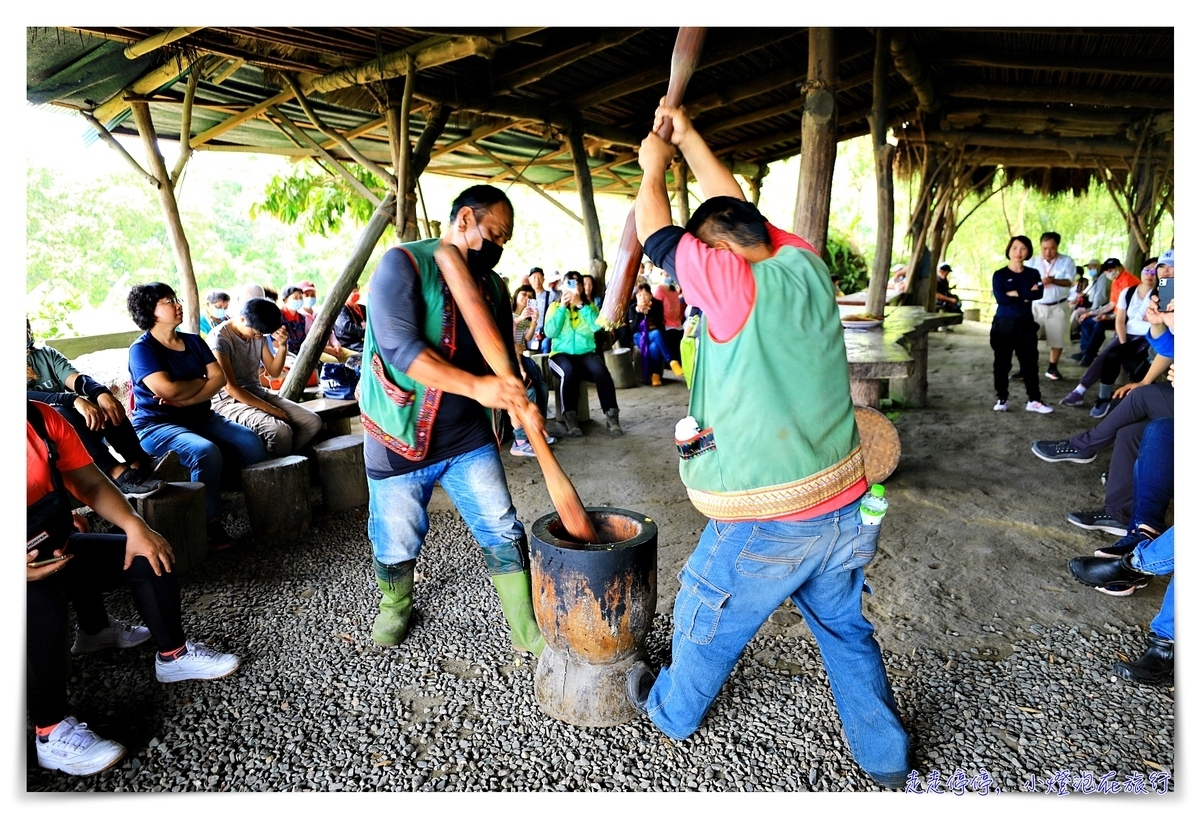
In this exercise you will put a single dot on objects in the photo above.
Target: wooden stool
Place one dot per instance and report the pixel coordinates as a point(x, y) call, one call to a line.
point(880, 443)
point(342, 472)
point(177, 513)
point(276, 494)
point(620, 366)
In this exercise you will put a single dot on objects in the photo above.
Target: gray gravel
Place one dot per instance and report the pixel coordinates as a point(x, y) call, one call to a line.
point(316, 706)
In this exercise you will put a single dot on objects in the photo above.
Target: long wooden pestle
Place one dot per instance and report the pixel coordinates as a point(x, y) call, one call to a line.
point(684, 59)
point(487, 337)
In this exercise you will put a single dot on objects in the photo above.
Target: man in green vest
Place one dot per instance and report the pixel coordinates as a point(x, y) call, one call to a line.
point(425, 394)
point(770, 453)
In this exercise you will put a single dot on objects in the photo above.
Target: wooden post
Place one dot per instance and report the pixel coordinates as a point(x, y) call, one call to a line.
point(401, 144)
point(310, 350)
point(885, 203)
point(683, 208)
point(819, 139)
point(166, 197)
point(587, 199)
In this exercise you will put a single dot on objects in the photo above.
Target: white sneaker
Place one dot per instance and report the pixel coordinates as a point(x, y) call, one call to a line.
point(200, 662)
point(1001, 406)
point(75, 750)
point(118, 634)
point(1039, 407)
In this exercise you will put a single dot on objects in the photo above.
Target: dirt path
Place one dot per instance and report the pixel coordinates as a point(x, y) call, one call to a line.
point(975, 544)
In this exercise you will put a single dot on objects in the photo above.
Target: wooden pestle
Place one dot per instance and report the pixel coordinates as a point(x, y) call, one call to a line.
point(684, 59)
point(483, 329)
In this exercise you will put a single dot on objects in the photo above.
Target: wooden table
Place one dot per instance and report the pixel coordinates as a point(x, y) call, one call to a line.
point(897, 351)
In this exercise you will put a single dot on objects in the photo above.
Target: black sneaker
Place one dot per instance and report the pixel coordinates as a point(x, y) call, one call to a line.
point(1097, 521)
point(1125, 545)
point(135, 485)
point(1052, 374)
point(1060, 451)
point(1112, 577)
point(1154, 667)
point(638, 682)
point(218, 538)
point(1077, 357)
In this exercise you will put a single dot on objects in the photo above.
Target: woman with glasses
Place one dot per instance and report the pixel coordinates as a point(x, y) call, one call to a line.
point(175, 376)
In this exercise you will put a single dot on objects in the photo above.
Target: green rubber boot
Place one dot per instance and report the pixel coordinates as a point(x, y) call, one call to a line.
point(396, 584)
point(516, 598)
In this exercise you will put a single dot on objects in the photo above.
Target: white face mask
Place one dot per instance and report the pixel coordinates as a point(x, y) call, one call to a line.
point(293, 304)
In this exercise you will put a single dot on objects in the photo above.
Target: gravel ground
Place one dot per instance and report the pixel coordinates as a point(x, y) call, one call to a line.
point(999, 661)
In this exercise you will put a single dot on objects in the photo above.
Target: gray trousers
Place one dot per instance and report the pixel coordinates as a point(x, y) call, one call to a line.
point(281, 438)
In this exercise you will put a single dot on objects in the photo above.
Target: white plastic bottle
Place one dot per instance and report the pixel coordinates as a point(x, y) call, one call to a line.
point(873, 506)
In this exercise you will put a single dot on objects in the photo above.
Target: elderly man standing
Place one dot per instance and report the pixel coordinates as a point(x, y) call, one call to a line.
point(1053, 312)
point(780, 481)
point(423, 395)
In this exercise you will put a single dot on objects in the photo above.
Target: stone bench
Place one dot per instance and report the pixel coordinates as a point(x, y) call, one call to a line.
point(276, 495)
point(342, 472)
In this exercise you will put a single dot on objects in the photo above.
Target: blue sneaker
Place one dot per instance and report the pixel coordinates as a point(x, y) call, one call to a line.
point(1101, 408)
point(522, 448)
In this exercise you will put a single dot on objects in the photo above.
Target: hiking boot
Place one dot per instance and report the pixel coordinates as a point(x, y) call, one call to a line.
point(570, 420)
point(1097, 521)
point(1039, 407)
point(395, 607)
point(1112, 577)
point(614, 422)
point(522, 448)
point(118, 634)
point(75, 750)
point(1100, 409)
point(1001, 406)
point(1154, 667)
point(638, 682)
point(655, 379)
point(1073, 398)
point(198, 662)
point(135, 485)
point(1125, 545)
point(1060, 451)
point(677, 368)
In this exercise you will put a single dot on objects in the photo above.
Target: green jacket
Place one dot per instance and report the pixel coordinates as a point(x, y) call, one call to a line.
point(572, 330)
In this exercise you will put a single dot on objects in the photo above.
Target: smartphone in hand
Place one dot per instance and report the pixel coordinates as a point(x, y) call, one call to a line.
point(1166, 292)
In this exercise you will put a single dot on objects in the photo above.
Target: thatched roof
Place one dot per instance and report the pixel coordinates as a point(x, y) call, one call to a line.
point(1049, 99)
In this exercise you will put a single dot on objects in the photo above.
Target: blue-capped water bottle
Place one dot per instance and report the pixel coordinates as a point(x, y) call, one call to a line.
point(873, 506)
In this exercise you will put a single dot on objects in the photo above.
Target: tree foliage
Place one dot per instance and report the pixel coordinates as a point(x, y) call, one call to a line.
point(319, 202)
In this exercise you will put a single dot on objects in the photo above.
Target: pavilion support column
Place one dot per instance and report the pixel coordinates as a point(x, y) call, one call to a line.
point(818, 134)
point(885, 201)
point(314, 344)
point(401, 145)
point(683, 208)
point(435, 123)
point(597, 267)
point(166, 196)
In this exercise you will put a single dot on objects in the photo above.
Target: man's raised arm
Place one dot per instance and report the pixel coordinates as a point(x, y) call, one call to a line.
point(715, 179)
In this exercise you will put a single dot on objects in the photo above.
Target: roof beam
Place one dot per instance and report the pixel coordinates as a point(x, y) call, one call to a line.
point(143, 86)
point(1158, 69)
point(425, 54)
point(1062, 94)
point(482, 132)
point(908, 65)
point(540, 69)
point(159, 40)
point(1076, 147)
point(237, 119)
point(788, 105)
point(519, 176)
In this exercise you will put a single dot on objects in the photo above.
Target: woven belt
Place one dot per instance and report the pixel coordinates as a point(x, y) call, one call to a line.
point(1052, 303)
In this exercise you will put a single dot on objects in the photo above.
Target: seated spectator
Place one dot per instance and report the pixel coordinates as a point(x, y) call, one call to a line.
point(298, 323)
point(333, 346)
point(571, 326)
point(65, 563)
point(525, 314)
point(213, 311)
point(351, 325)
point(1100, 317)
point(175, 376)
point(645, 319)
point(899, 277)
point(240, 348)
point(947, 301)
point(1129, 349)
point(97, 417)
point(672, 306)
point(243, 294)
point(592, 291)
point(1122, 428)
point(270, 292)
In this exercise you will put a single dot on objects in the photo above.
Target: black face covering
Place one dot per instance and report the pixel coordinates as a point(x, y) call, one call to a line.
point(486, 257)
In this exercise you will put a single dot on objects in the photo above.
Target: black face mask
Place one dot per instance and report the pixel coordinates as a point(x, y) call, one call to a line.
point(486, 257)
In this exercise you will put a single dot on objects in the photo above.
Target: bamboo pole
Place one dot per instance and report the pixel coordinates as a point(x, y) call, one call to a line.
point(486, 334)
point(428, 53)
point(185, 123)
point(683, 208)
point(333, 134)
point(885, 202)
point(344, 172)
point(228, 71)
point(159, 40)
point(112, 142)
point(237, 119)
point(146, 84)
point(518, 176)
point(587, 197)
point(819, 138)
point(310, 350)
point(406, 207)
point(166, 197)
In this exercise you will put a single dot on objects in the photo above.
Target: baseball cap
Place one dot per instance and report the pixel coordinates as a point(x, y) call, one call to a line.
point(947, 268)
point(553, 276)
point(533, 270)
point(306, 285)
point(1168, 258)
point(1094, 263)
point(1111, 264)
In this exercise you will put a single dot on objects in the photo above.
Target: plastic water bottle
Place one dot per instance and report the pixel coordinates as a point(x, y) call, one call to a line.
point(873, 506)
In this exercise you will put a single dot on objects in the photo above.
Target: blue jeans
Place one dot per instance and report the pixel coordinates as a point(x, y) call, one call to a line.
point(1158, 558)
point(737, 576)
point(399, 520)
point(1154, 475)
point(653, 348)
point(203, 451)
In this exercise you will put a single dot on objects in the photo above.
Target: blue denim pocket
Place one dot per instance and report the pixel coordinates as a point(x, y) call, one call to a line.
point(772, 554)
point(698, 607)
point(866, 543)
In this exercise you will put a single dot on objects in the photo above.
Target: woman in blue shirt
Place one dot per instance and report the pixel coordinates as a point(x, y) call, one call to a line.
point(1016, 287)
point(174, 377)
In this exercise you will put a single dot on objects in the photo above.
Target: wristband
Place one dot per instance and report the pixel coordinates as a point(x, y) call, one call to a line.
point(90, 388)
